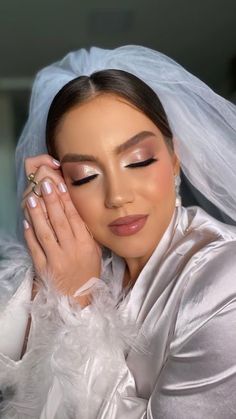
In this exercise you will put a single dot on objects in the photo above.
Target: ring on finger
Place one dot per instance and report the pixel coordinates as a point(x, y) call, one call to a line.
point(31, 178)
point(36, 192)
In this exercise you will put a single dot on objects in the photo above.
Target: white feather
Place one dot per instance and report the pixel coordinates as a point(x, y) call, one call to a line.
point(15, 262)
point(75, 358)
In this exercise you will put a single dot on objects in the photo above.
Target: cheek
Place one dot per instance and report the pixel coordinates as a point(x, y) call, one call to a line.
point(161, 182)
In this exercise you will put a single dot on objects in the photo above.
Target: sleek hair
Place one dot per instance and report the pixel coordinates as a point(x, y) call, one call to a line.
point(118, 82)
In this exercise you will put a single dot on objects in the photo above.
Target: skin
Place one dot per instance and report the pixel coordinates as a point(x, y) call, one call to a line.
point(57, 233)
point(96, 128)
point(57, 229)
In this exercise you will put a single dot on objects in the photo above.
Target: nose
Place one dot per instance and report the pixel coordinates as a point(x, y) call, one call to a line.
point(118, 192)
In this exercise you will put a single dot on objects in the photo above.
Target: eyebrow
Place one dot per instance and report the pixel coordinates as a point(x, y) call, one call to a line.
point(137, 138)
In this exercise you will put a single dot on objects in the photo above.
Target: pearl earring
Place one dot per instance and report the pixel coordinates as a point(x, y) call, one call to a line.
point(178, 201)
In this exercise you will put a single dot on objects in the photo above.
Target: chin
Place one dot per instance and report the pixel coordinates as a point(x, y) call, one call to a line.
point(133, 250)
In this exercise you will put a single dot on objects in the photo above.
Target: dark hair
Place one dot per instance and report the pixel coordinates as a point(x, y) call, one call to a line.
point(119, 82)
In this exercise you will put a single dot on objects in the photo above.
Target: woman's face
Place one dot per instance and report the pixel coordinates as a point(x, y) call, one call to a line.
point(91, 144)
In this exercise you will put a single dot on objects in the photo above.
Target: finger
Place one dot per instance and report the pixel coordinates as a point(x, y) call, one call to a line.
point(42, 165)
point(56, 214)
point(42, 203)
point(42, 172)
point(28, 218)
point(24, 202)
point(42, 229)
point(76, 222)
point(34, 247)
point(26, 215)
point(32, 164)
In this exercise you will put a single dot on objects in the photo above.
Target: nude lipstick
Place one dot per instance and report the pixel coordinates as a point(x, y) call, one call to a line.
point(126, 226)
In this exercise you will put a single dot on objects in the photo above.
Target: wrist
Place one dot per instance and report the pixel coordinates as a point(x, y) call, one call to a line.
point(83, 300)
point(83, 295)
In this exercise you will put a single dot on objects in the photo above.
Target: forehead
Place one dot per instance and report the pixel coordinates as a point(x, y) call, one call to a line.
point(104, 105)
point(104, 122)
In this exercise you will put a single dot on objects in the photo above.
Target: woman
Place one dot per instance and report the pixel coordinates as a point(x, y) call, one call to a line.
point(132, 317)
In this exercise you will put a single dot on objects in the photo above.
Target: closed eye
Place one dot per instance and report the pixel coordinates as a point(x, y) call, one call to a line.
point(143, 163)
point(132, 166)
point(82, 181)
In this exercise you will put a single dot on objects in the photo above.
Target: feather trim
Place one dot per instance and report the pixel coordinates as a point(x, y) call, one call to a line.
point(75, 359)
point(15, 264)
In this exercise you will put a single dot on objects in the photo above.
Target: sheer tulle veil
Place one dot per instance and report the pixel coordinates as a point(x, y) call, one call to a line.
point(203, 123)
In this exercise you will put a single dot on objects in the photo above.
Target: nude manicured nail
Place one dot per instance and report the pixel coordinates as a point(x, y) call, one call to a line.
point(26, 224)
point(62, 187)
point(56, 162)
point(32, 201)
point(47, 187)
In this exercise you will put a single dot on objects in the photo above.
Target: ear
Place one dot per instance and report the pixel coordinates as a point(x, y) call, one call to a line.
point(176, 164)
point(175, 159)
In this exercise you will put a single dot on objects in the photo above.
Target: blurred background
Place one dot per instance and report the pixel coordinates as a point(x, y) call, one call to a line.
point(200, 35)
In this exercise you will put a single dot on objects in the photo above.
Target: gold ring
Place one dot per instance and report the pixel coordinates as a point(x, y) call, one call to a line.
point(31, 177)
point(35, 192)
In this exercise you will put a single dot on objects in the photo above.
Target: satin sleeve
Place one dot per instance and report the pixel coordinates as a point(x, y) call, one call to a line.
point(198, 379)
point(13, 321)
point(75, 363)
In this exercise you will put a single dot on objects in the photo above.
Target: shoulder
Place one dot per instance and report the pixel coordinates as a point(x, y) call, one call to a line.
point(210, 275)
point(201, 239)
point(199, 219)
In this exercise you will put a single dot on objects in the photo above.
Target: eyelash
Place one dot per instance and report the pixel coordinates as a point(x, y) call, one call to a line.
point(132, 166)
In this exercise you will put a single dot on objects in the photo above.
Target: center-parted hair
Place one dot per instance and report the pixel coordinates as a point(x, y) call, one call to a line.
point(111, 81)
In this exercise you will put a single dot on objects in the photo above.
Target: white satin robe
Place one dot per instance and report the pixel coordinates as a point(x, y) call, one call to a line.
point(164, 350)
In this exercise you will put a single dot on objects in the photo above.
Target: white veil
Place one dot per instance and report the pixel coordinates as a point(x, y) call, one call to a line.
point(203, 123)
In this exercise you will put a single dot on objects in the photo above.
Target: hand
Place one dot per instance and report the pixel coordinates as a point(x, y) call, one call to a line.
point(64, 248)
point(42, 166)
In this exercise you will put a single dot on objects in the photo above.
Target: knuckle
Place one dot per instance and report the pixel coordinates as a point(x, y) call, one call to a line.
point(41, 162)
point(66, 198)
point(31, 162)
point(57, 223)
point(42, 172)
point(50, 199)
point(71, 212)
point(44, 168)
point(45, 236)
point(60, 224)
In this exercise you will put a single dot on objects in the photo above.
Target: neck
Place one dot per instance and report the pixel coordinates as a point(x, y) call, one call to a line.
point(133, 269)
point(134, 266)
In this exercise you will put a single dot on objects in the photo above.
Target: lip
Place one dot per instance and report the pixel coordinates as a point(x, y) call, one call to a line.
point(128, 225)
point(127, 220)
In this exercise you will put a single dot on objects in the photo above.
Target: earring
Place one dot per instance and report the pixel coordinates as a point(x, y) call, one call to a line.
point(178, 201)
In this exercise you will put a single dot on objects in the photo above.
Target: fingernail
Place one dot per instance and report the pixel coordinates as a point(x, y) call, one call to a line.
point(56, 162)
point(47, 188)
point(62, 187)
point(32, 202)
point(26, 224)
